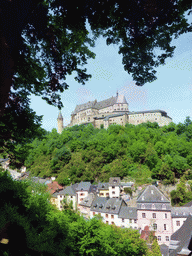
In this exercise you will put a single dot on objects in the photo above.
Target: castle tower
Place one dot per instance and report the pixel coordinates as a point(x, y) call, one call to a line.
point(60, 122)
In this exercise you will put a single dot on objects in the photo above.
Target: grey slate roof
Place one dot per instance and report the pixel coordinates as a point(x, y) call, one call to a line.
point(103, 186)
point(164, 250)
point(128, 212)
point(83, 186)
point(40, 180)
point(181, 239)
point(101, 104)
point(114, 181)
point(181, 212)
point(60, 115)
point(93, 189)
point(152, 194)
point(69, 190)
point(88, 201)
point(189, 204)
point(121, 99)
point(107, 205)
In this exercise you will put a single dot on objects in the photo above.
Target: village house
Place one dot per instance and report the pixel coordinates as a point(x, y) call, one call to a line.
point(179, 216)
point(181, 240)
point(154, 211)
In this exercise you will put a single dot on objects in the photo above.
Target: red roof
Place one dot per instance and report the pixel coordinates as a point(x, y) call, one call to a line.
point(53, 187)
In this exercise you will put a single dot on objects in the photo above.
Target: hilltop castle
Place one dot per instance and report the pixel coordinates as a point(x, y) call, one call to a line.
point(114, 110)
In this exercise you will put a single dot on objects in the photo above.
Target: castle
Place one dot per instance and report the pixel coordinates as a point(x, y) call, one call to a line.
point(114, 110)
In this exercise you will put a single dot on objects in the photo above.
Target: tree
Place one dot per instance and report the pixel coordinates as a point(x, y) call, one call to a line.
point(42, 43)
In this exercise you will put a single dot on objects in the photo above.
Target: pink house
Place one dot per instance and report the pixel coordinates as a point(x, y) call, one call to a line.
point(154, 210)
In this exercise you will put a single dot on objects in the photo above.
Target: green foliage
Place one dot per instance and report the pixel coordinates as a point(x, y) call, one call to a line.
point(182, 194)
point(155, 249)
point(43, 228)
point(128, 191)
point(143, 152)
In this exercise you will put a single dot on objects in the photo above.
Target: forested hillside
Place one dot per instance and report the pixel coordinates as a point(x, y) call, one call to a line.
point(143, 152)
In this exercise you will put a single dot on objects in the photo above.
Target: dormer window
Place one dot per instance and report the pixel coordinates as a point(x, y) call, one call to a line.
point(101, 206)
point(81, 189)
point(108, 207)
point(153, 206)
point(163, 206)
point(114, 207)
point(142, 206)
point(95, 205)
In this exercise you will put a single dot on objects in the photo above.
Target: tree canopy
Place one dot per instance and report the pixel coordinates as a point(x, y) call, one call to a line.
point(43, 41)
point(45, 230)
point(143, 153)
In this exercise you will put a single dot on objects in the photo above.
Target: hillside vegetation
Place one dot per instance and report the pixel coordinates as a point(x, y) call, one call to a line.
point(143, 153)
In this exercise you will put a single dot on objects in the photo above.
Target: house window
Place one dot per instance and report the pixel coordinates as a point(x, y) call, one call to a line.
point(123, 220)
point(113, 186)
point(101, 194)
point(112, 223)
point(107, 194)
point(82, 194)
point(163, 206)
point(106, 215)
point(167, 238)
point(143, 215)
point(153, 206)
point(159, 238)
point(178, 223)
point(142, 206)
point(81, 199)
point(155, 226)
point(107, 221)
point(154, 215)
point(165, 215)
point(60, 196)
point(130, 221)
point(135, 221)
point(113, 192)
point(165, 227)
point(112, 216)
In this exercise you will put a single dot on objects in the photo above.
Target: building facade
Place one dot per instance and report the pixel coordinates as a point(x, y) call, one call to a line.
point(114, 110)
point(154, 211)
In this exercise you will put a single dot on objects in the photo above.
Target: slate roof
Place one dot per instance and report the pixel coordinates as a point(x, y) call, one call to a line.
point(83, 186)
point(189, 204)
point(181, 239)
point(127, 184)
point(103, 186)
point(93, 189)
point(114, 181)
point(164, 250)
point(69, 190)
point(128, 212)
point(121, 99)
point(152, 194)
point(181, 212)
point(107, 205)
point(101, 104)
point(88, 201)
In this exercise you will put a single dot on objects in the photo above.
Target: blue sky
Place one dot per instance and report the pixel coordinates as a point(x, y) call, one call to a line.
point(171, 92)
